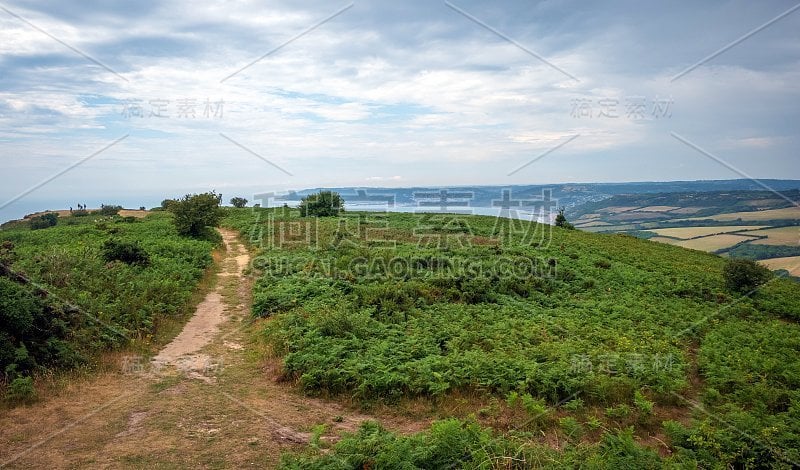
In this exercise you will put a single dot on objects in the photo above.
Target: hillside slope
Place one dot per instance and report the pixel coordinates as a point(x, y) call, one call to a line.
point(571, 336)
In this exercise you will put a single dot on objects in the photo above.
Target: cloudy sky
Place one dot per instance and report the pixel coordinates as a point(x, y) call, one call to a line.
point(157, 98)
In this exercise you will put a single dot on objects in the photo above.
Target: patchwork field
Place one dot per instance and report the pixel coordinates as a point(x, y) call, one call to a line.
point(657, 209)
point(617, 209)
point(788, 236)
point(770, 214)
point(591, 223)
point(685, 233)
point(714, 242)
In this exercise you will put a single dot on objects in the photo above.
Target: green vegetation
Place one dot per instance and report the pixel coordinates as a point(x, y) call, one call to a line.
point(463, 444)
point(109, 210)
point(321, 204)
point(561, 220)
point(196, 214)
point(84, 286)
point(744, 275)
point(597, 339)
point(757, 252)
point(126, 251)
point(44, 221)
point(238, 202)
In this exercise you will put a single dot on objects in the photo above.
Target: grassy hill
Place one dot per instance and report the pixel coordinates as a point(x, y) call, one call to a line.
point(541, 346)
point(88, 284)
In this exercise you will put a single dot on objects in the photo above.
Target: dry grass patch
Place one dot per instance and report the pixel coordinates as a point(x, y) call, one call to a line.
point(789, 263)
point(657, 209)
point(617, 209)
point(788, 236)
point(714, 242)
point(770, 214)
point(595, 223)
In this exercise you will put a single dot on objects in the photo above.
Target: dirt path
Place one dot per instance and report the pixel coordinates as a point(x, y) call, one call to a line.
point(206, 400)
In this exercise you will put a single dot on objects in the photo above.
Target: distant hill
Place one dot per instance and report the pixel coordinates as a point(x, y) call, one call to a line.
point(565, 194)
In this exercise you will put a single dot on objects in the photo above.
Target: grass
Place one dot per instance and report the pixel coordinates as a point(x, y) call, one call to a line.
point(631, 327)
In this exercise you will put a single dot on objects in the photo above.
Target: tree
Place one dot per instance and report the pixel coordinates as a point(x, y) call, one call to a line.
point(238, 202)
point(321, 204)
point(744, 275)
point(194, 213)
point(167, 203)
point(561, 220)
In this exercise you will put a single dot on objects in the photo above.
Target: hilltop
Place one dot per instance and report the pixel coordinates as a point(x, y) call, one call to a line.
point(388, 339)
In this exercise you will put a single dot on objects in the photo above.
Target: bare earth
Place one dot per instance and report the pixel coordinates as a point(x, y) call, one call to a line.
point(206, 400)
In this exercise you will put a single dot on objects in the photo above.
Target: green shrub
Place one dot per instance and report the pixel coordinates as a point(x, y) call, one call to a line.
point(21, 390)
point(195, 213)
point(642, 404)
point(618, 412)
point(126, 251)
point(44, 221)
point(744, 275)
point(109, 210)
point(571, 427)
point(321, 204)
point(574, 404)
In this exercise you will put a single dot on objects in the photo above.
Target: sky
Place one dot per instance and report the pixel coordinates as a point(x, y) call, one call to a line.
point(135, 101)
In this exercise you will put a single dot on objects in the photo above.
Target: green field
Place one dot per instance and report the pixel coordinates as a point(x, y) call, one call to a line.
point(611, 345)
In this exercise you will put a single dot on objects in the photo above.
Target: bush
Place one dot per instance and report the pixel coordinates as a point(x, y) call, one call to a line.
point(196, 212)
point(21, 390)
point(322, 204)
point(109, 210)
point(80, 213)
point(44, 221)
point(744, 275)
point(125, 251)
point(18, 307)
point(238, 202)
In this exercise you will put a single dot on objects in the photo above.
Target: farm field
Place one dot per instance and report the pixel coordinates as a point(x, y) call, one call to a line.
point(714, 242)
point(692, 232)
point(617, 209)
point(753, 216)
point(709, 244)
point(591, 224)
point(789, 263)
point(602, 345)
point(657, 209)
point(787, 236)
